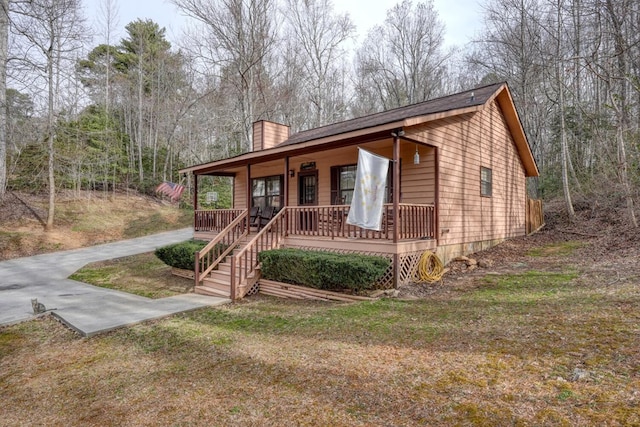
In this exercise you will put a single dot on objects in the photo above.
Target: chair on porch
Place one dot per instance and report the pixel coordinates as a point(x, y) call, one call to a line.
point(332, 217)
point(265, 216)
point(254, 214)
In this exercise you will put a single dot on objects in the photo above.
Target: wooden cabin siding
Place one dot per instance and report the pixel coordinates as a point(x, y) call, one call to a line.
point(467, 145)
point(418, 182)
point(257, 135)
point(274, 134)
point(240, 191)
point(435, 132)
point(268, 134)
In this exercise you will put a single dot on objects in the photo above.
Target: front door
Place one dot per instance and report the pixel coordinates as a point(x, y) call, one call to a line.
point(308, 196)
point(308, 188)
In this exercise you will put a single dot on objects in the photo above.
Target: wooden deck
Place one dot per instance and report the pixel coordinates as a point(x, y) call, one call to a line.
point(228, 265)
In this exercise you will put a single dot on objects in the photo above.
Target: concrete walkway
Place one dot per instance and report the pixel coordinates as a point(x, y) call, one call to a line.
point(88, 309)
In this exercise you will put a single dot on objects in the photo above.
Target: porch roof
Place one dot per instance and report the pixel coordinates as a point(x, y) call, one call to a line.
point(379, 126)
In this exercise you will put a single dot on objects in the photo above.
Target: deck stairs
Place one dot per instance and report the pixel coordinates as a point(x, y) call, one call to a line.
point(218, 282)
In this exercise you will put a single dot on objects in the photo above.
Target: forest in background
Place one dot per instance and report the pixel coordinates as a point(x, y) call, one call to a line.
point(85, 111)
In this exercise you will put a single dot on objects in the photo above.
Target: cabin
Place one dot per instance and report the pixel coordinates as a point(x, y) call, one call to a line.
point(456, 184)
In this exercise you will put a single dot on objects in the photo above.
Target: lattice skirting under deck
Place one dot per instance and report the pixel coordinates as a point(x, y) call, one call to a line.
point(254, 289)
point(408, 265)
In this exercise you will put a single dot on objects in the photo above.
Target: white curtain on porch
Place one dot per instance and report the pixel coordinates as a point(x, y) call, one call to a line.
point(368, 195)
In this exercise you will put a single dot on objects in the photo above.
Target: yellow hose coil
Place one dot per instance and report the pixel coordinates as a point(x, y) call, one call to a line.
point(429, 268)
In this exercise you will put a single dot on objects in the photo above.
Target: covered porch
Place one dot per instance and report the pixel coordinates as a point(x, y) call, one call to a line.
point(307, 188)
point(315, 184)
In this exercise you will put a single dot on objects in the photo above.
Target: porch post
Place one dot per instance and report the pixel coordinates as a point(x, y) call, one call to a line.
point(195, 202)
point(396, 205)
point(436, 216)
point(248, 186)
point(195, 192)
point(286, 182)
point(286, 195)
point(396, 186)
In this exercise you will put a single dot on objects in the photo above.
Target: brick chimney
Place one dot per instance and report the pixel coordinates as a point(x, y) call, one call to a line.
point(268, 134)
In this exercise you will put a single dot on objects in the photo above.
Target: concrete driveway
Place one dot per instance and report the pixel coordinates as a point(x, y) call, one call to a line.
point(88, 309)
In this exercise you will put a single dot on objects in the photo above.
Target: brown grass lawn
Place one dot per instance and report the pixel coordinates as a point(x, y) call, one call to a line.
point(142, 274)
point(546, 338)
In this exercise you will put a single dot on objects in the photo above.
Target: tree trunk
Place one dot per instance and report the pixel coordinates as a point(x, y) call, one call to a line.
point(561, 110)
point(4, 43)
point(50, 138)
point(139, 130)
point(565, 160)
point(624, 176)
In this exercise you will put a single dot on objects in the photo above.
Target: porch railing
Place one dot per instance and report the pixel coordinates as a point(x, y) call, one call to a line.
point(214, 220)
point(217, 249)
point(244, 263)
point(415, 222)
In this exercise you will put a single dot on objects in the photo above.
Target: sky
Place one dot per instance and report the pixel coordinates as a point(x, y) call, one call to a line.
point(461, 17)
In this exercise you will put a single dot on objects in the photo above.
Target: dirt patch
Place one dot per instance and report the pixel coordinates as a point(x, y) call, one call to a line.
point(81, 219)
point(589, 243)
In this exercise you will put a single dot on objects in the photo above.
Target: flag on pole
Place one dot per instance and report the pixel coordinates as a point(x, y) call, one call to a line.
point(368, 195)
point(174, 191)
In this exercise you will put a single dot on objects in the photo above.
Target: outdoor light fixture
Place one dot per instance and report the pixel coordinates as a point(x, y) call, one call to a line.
point(292, 173)
point(416, 157)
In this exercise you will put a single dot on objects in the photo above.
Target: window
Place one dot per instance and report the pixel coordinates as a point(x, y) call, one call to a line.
point(266, 192)
point(486, 182)
point(343, 181)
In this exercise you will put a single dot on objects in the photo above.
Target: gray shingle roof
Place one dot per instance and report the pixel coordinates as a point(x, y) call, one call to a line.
point(438, 105)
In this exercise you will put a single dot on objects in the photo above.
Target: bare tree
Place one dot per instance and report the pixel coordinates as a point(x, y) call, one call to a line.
point(509, 49)
point(21, 132)
point(233, 43)
point(559, 80)
point(50, 31)
point(108, 19)
point(402, 61)
point(321, 36)
point(618, 79)
point(573, 66)
point(4, 46)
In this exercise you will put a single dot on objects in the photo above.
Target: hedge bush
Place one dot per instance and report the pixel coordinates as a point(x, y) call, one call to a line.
point(180, 255)
point(323, 270)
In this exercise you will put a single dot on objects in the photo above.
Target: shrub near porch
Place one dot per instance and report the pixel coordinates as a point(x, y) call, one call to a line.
point(323, 270)
point(180, 255)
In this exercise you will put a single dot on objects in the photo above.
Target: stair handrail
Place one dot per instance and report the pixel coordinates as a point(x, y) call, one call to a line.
point(268, 238)
point(241, 225)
